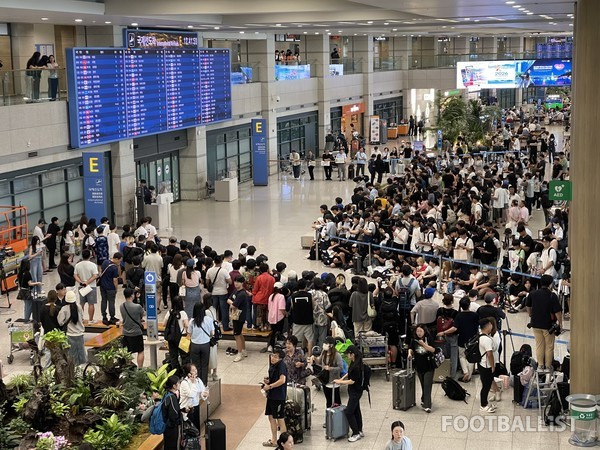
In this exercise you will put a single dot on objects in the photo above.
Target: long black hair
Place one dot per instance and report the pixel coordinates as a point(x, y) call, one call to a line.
point(23, 269)
point(198, 314)
point(74, 312)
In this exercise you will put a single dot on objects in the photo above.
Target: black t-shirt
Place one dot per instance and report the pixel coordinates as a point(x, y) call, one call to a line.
point(556, 169)
point(515, 289)
point(528, 241)
point(49, 319)
point(467, 324)
point(491, 311)
point(66, 273)
point(544, 304)
point(355, 374)
point(240, 301)
point(489, 246)
point(24, 280)
point(448, 313)
point(275, 372)
point(302, 309)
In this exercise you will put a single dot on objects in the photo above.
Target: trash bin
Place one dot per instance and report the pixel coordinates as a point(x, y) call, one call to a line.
point(583, 412)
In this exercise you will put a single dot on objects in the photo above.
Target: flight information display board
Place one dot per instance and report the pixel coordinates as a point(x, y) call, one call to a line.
point(116, 94)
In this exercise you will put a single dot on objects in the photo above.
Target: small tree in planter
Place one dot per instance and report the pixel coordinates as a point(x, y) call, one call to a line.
point(58, 344)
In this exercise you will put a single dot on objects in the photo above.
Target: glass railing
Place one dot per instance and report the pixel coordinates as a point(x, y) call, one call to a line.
point(449, 61)
point(243, 73)
point(386, 64)
point(32, 86)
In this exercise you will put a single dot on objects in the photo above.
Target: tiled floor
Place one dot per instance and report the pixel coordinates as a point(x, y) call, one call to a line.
point(273, 218)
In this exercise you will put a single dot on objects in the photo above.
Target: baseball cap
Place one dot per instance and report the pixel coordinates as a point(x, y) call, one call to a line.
point(243, 252)
point(190, 262)
point(278, 285)
point(352, 349)
point(70, 297)
point(428, 292)
point(489, 297)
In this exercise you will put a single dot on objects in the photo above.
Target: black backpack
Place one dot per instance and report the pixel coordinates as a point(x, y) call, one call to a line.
point(172, 330)
point(472, 352)
point(553, 410)
point(453, 390)
point(520, 359)
point(389, 311)
point(405, 295)
point(366, 380)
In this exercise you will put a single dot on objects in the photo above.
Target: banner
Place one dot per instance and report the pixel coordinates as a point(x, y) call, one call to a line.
point(375, 131)
point(136, 38)
point(291, 72)
point(94, 185)
point(150, 286)
point(260, 154)
point(513, 74)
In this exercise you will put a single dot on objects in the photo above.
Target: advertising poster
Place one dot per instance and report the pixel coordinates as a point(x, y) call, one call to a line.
point(513, 74)
point(336, 70)
point(94, 189)
point(260, 154)
point(292, 72)
point(375, 131)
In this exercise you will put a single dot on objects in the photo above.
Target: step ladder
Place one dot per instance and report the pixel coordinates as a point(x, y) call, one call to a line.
point(541, 389)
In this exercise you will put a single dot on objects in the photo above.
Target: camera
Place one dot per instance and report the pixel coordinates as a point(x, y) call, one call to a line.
point(6, 252)
point(555, 329)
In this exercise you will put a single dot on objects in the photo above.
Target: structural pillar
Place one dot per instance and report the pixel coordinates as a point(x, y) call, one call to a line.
point(193, 170)
point(123, 181)
point(363, 50)
point(317, 50)
point(584, 246)
point(22, 47)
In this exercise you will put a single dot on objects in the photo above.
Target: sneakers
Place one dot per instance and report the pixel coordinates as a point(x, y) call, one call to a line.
point(361, 434)
point(106, 322)
point(91, 322)
point(244, 353)
point(488, 409)
point(238, 357)
point(114, 321)
point(354, 438)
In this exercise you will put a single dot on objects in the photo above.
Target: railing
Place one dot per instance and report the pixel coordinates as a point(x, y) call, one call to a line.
point(243, 73)
point(386, 64)
point(32, 86)
point(418, 61)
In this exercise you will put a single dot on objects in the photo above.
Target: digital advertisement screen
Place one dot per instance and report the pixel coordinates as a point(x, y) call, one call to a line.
point(292, 72)
point(116, 94)
point(513, 74)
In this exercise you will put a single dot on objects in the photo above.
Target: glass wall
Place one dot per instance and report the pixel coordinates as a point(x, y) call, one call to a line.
point(54, 190)
point(229, 150)
point(335, 117)
point(389, 109)
point(162, 172)
point(297, 133)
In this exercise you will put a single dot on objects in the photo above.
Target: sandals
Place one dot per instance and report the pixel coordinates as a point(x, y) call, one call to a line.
point(269, 443)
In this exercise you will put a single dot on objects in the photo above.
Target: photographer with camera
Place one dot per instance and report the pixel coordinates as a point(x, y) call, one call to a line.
point(546, 320)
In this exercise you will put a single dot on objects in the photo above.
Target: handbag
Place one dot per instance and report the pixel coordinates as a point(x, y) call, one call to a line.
point(24, 294)
point(209, 287)
point(234, 313)
point(438, 358)
point(212, 340)
point(371, 312)
point(182, 287)
point(184, 344)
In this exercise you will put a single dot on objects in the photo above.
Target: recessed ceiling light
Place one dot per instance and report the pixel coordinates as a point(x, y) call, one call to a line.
point(81, 20)
point(108, 22)
point(256, 32)
point(316, 32)
point(370, 22)
point(510, 3)
point(412, 35)
point(570, 24)
point(386, 23)
point(529, 13)
point(467, 19)
point(326, 30)
point(328, 34)
point(217, 28)
point(190, 26)
point(277, 24)
point(476, 20)
point(516, 6)
point(339, 31)
point(44, 18)
point(134, 24)
point(355, 34)
point(306, 32)
point(242, 32)
point(394, 29)
point(445, 26)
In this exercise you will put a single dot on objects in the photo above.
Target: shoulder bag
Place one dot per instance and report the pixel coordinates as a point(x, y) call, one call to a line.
point(371, 312)
point(211, 285)
point(182, 287)
point(212, 340)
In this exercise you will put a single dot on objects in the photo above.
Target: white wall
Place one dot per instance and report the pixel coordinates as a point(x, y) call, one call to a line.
point(43, 33)
point(444, 79)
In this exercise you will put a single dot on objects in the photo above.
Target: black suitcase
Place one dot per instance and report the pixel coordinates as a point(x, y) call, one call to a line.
point(36, 307)
point(351, 172)
point(518, 389)
point(215, 434)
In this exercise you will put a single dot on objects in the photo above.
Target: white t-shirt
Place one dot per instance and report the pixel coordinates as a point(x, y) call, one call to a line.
point(486, 344)
point(340, 158)
point(500, 198)
point(113, 244)
point(150, 230)
point(141, 231)
point(85, 270)
point(37, 231)
point(549, 254)
point(182, 318)
point(220, 281)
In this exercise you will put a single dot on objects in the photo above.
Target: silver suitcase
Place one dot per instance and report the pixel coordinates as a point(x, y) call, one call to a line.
point(403, 388)
point(336, 422)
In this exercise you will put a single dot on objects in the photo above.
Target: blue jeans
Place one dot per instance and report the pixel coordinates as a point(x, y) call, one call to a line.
point(220, 303)
point(27, 309)
point(36, 273)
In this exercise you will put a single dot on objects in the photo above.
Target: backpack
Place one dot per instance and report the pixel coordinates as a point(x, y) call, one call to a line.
point(453, 390)
point(405, 294)
point(366, 380)
point(389, 311)
point(218, 333)
point(553, 410)
point(472, 352)
point(520, 359)
point(158, 425)
point(172, 330)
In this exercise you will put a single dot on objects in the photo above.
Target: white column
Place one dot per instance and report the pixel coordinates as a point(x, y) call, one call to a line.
point(363, 49)
point(193, 165)
point(123, 181)
point(317, 51)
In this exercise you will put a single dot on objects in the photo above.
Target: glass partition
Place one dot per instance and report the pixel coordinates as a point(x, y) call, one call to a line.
point(32, 86)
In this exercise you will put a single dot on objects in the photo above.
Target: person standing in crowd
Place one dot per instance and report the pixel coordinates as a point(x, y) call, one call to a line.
point(487, 364)
point(52, 67)
point(217, 283)
point(328, 359)
point(238, 303)
point(327, 161)
point(277, 314)
point(411, 126)
point(425, 312)
point(171, 412)
point(310, 163)
point(67, 239)
point(50, 241)
point(399, 441)
point(422, 351)
point(359, 301)
point(71, 315)
point(361, 162)
point(35, 256)
point(191, 391)
point(34, 75)
point(296, 164)
point(448, 314)
point(545, 312)
point(132, 316)
point(295, 361)
point(261, 291)
point(200, 329)
point(49, 313)
point(340, 162)
point(86, 274)
point(109, 284)
point(301, 307)
point(177, 357)
point(26, 285)
point(66, 271)
point(190, 278)
point(467, 326)
point(353, 379)
point(275, 387)
point(320, 305)
point(153, 262)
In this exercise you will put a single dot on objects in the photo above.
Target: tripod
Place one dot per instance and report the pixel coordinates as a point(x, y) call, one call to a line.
point(507, 332)
point(4, 284)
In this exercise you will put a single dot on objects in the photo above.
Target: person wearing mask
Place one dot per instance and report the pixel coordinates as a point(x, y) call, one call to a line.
point(217, 283)
point(200, 329)
point(238, 303)
point(446, 315)
point(191, 391)
point(172, 416)
point(86, 273)
point(399, 441)
point(422, 350)
point(545, 312)
point(35, 256)
point(190, 278)
point(487, 364)
point(275, 387)
point(359, 301)
point(353, 379)
point(71, 315)
point(328, 359)
point(109, 284)
point(177, 357)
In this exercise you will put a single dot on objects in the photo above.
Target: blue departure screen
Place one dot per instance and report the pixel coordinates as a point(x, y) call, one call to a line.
point(215, 70)
point(116, 94)
point(97, 96)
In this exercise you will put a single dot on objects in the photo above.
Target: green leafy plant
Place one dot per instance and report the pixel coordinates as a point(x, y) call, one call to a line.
point(59, 409)
point(78, 396)
point(22, 383)
point(48, 441)
point(111, 434)
point(20, 404)
point(112, 397)
point(19, 426)
point(57, 338)
point(48, 377)
point(9, 438)
point(159, 378)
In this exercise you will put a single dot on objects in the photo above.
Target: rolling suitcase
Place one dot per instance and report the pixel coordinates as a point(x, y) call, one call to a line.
point(403, 388)
point(300, 394)
point(336, 422)
point(214, 430)
point(351, 172)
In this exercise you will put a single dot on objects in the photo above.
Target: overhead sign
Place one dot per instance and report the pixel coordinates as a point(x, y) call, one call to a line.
point(94, 185)
point(150, 285)
point(513, 74)
point(560, 190)
point(355, 108)
point(260, 153)
point(135, 38)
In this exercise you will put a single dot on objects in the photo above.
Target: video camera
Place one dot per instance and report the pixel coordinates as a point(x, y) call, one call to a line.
point(6, 252)
point(554, 329)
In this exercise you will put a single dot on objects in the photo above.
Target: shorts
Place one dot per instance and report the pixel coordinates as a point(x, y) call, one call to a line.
point(237, 326)
point(303, 332)
point(498, 213)
point(274, 408)
point(134, 344)
point(91, 298)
